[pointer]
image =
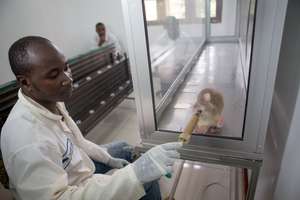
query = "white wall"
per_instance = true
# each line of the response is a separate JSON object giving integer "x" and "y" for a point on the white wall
{"x": 69, "y": 24}
{"x": 227, "y": 25}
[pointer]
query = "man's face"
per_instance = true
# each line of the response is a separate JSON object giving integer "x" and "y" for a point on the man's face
{"x": 50, "y": 76}
{"x": 101, "y": 32}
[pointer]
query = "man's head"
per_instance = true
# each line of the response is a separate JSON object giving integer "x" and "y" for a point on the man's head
{"x": 100, "y": 29}
{"x": 41, "y": 69}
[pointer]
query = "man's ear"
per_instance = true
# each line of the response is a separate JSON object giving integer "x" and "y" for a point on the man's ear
{"x": 24, "y": 82}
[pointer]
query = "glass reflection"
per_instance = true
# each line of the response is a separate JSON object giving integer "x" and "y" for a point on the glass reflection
{"x": 174, "y": 36}
{"x": 176, "y": 33}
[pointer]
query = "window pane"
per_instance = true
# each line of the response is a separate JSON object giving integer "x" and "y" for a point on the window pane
{"x": 179, "y": 73}
{"x": 176, "y": 8}
{"x": 213, "y": 8}
{"x": 173, "y": 44}
{"x": 151, "y": 10}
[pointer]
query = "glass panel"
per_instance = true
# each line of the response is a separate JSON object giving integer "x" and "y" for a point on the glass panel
{"x": 172, "y": 41}
{"x": 246, "y": 33}
{"x": 216, "y": 68}
{"x": 182, "y": 71}
{"x": 249, "y": 37}
{"x": 245, "y": 5}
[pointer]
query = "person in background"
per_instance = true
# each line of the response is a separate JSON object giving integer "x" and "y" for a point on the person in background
{"x": 170, "y": 38}
{"x": 105, "y": 37}
{"x": 44, "y": 152}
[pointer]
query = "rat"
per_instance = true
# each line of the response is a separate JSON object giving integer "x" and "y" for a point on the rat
{"x": 209, "y": 105}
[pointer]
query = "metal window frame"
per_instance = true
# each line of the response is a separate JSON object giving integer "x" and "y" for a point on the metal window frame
{"x": 268, "y": 32}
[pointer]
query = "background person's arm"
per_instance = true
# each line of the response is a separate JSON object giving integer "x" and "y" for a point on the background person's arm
{"x": 113, "y": 39}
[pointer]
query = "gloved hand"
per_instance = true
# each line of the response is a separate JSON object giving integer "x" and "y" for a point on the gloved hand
{"x": 117, "y": 163}
{"x": 156, "y": 162}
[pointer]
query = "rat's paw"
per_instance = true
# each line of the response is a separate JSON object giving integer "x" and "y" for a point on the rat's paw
{"x": 201, "y": 129}
{"x": 220, "y": 123}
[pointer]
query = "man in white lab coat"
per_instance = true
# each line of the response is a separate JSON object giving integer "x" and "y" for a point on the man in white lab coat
{"x": 44, "y": 152}
{"x": 103, "y": 37}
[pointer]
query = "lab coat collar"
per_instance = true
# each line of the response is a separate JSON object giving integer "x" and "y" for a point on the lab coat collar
{"x": 38, "y": 108}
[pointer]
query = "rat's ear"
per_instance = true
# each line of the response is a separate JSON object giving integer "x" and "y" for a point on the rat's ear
{"x": 24, "y": 82}
{"x": 207, "y": 97}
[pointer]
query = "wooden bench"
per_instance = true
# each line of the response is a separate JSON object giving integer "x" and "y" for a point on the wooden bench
{"x": 8, "y": 98}
{"x": 101, "y": 82}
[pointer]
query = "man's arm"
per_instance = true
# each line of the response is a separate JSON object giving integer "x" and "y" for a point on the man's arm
{"x": 42, "y": 177}
{"x": 113, "y": 39}
{"x": 94, "y": 151}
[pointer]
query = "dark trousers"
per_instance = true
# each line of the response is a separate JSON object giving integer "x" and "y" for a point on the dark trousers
{"x": 124, "y": 151}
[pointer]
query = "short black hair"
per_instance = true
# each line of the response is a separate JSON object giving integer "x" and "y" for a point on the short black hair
{"x": 100, "y": 24}
{"x": 18, "y": 53}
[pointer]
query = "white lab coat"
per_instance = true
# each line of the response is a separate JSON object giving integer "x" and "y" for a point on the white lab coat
{"x": 46, "y": 158}
{"x": 110, "y": 38}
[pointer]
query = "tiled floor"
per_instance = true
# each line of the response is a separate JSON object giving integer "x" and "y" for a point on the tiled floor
{"x": 120, "y": 124}
{"x": 205, "y": 181}
{"x": 197, "y": 180}
{"x": 217, "y": 68}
